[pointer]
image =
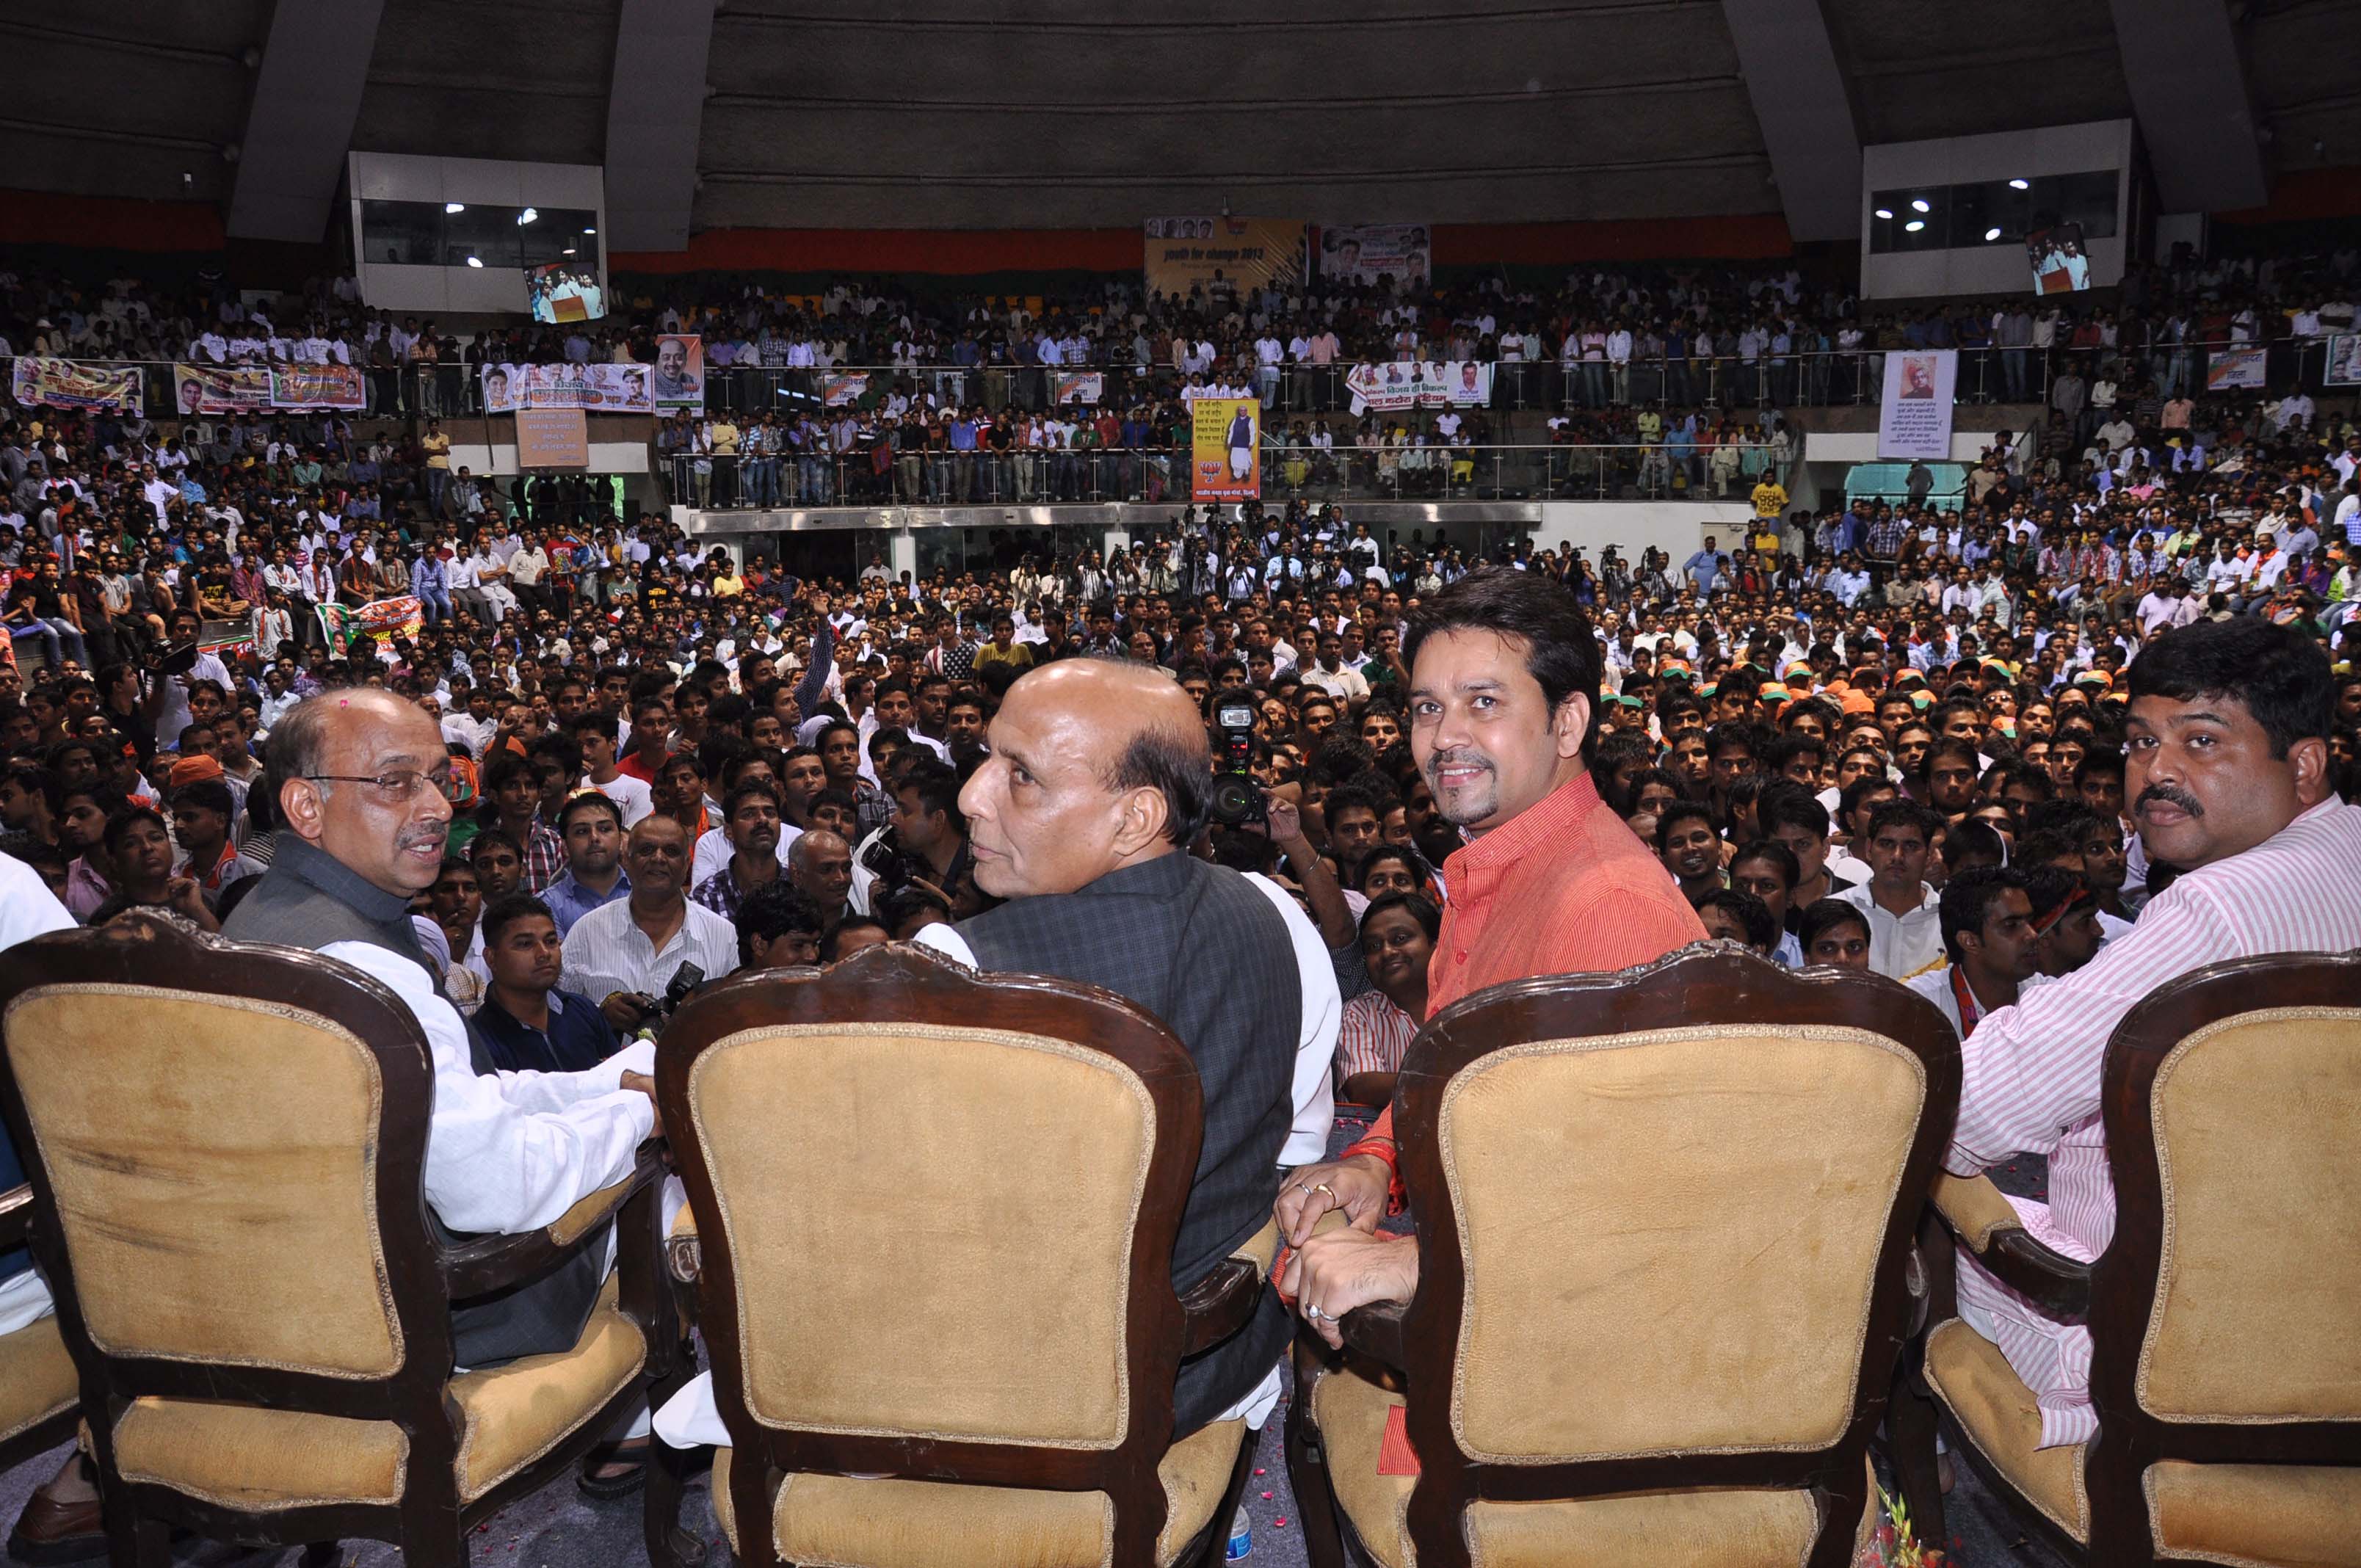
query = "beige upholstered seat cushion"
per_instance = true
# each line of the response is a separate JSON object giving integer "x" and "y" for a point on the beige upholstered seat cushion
{"x": 852, "y": 1523}
{"x": 182, "y": 1192}
{"x": 1706, "y": 1527}
{"x": 2269, "y": 1516}
{"x": 909, "y": 1302}
{"x": 2255, "y": 1317}
{"x": 1997, "y": 1411}
{"x": 518, "y": 1412}
{"x": 36, "y": 1377}
{"x": 1701, "y": 1208}
{"x": 246, "y": 1457}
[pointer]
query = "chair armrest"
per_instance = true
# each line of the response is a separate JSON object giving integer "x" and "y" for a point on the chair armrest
{"x": 1260, "y": 1249}
{"x": 16, "y": 1215}
{"x": 1985, "y": 1222}
{"x": 1973, "y": 1208}
{"x": 485, "y": 1264}
{"x": 1375, "y": 1331}
{"x": 1219, "y": 1305}
{"x": 682, "y": 1257}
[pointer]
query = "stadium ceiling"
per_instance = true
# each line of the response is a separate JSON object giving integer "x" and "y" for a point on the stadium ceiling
{"x": 1022, "y": 114}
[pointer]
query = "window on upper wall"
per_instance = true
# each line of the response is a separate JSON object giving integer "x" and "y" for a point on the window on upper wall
{"x": 431, "y": 233}
{"x": 2085, "y": 199}
{"x": 1978, "y": 213}
{"x": 1911, "y": 219}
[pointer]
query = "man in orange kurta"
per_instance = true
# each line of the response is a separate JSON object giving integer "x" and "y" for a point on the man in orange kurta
{"x": 1504, "y": 684}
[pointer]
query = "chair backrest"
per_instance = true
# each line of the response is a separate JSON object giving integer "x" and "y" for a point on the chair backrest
{"x": 225, "y": 1142}
{"x": 937, "y": 1211}
{"x": 2223, "y": 1313}
{"x": 1664, "y": 1216}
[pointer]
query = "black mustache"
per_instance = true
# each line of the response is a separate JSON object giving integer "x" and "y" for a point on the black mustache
{"x": 2170, "y": 797}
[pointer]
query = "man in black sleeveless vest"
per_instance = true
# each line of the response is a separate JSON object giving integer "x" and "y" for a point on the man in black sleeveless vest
{"x": 1082, "y": 817}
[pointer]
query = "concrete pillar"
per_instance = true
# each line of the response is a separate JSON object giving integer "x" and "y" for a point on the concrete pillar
{"x": 1805, "y": 108}
{"x": 902, "y": 553}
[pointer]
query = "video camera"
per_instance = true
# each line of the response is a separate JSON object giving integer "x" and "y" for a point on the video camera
{"x": 1237, "y": 798}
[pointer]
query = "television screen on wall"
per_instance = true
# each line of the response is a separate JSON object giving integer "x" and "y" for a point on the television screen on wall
{"x": 566, "y": 291}
{"x": 2061, "y": 264}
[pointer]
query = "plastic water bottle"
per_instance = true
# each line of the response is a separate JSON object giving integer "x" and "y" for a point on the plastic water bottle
{"x": 1241, "y": 1534}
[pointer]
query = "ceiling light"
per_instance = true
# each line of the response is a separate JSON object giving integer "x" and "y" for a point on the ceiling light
{"x": 455, "y": 206}
{"x": 2020, "y": 184}
{"x": 1992, "y": 234}
{"x": 474, "y": 261}
{"x": 1912, "y": 227}
{"x": 527, "y": 216}
{"x": 589, "y": 231}
{"x": 569, "y": 250}
{"x": 1886, "y": 212}
{"x": 1919, "y": 204}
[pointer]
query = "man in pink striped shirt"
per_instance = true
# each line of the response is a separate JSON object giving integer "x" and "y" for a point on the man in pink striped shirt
{"x": 2227, "y": 769}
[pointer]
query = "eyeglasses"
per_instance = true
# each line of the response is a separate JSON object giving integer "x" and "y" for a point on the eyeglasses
{"x": 396, "y": 787}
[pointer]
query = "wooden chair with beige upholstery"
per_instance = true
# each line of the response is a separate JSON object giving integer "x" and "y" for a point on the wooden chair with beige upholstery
{"x": 2226, "y": 1312}
{"x": 40, "y": 1397}
{"x": 1663, "y": 1220}
{"x": 226, "y": 1143}
{"x": 935, "y": 1218}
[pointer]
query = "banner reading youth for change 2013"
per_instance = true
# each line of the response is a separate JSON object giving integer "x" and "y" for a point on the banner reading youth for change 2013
{"x": 1248, "y": 253}
{"x": 597, "y": 388}
{"x": 1914, "y": 419}
{"x": 77, "y": 384}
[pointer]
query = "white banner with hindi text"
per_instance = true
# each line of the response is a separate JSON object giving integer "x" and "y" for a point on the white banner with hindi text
{"x": 1420, "y": 384}
{"x": 1914, "y": 419}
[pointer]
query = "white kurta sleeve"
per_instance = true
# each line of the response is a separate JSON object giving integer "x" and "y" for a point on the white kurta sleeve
{"x": 512, "y": 1151}
{"x": 1315, "y": 1049}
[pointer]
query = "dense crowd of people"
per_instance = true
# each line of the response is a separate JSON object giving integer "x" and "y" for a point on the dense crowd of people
{"x": 1598, "y": 338}
{"x": 1905, "y": 738}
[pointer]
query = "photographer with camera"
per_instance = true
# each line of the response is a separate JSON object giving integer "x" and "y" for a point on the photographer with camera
{"x": 1240, "y": 801}
{"x": 625, "y": 955}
